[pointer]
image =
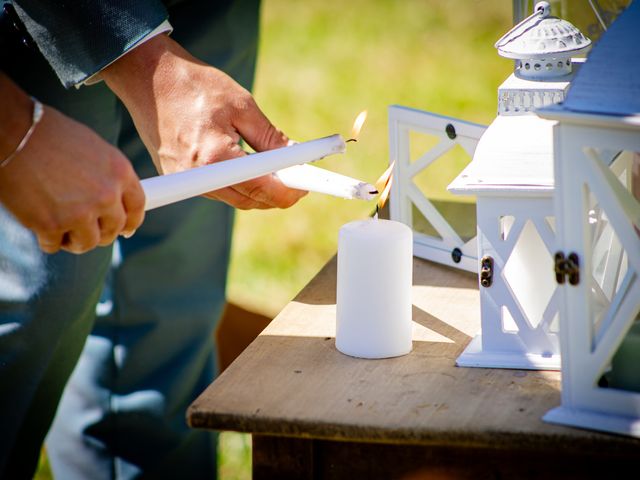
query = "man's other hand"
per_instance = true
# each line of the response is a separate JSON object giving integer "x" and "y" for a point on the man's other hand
{"x": 68, "y": 185}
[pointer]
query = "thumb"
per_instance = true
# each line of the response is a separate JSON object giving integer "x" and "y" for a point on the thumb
{"x": 256, "y": 129}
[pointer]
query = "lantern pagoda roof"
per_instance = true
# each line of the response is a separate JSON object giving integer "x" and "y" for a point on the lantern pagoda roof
{"x": 543, "y": 36}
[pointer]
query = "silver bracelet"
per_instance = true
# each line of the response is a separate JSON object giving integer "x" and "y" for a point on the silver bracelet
{"x": 35, "y": 118}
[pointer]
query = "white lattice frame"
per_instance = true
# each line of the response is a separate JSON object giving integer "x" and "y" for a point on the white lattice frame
{"x": 585, "y": 358}
{"x": 531, "y": 347}
{"x": 402, "y": 121}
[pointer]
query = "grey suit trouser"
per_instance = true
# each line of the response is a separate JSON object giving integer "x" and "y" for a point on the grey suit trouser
{"x": 149, "y": 349}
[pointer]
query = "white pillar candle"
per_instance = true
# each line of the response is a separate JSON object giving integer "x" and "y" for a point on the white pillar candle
{"x": 375, "y": 261}
{"x": 170, "y": 188}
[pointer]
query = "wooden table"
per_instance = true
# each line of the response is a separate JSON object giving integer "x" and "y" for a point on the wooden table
{"x": 316, "y": 413}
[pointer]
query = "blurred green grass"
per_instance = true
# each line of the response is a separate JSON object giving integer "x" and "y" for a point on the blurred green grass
{"x": 320, "y": 63}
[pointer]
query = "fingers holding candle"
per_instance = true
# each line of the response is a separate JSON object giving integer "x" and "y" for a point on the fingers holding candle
{"x": 260, "y": 193}
{"x": 263, "y": 192}
{"x": 255, "y": 128}
{"x": 267, "y": 191}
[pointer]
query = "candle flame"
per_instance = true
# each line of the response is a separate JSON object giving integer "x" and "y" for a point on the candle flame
{"x": 383, "y": 184}
{"x": 357, "y": 126}
{"x": 385, "y": 194}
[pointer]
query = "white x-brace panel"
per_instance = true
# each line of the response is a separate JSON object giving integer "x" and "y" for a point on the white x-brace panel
{"x": 402, "y": 121}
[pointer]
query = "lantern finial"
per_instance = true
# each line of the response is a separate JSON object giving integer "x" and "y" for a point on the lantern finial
{"x": 542, "y": 45}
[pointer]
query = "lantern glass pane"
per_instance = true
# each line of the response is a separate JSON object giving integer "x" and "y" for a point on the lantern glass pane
{"x": 613, "y": 278}
{"x": 551, "y": 221}
{"x": 609, "y": 267}
{"x": 624, "y": 372}
{"x": 506, "y": 222}
{"x": 530, "y": 261}
{"x": 509, "y": 325}
{"x": 458, "y": 211}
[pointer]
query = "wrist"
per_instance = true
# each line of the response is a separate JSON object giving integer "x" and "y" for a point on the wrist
{"x": 15, "y": 116}
{"x": 144, "y": 70}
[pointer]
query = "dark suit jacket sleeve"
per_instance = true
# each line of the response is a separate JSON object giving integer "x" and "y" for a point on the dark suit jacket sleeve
{"x": 80, "y": 37}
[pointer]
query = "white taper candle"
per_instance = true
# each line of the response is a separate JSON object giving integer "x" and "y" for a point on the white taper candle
{"x": 171, "y": 188}
{"x": 314, "y": 179}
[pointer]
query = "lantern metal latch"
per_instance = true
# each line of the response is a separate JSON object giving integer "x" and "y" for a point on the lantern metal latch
{"x": 486, "y": 271}
{"x": 567, "y": 267}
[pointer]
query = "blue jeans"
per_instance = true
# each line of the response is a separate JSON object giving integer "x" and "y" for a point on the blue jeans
{"x": 149, "y": 351}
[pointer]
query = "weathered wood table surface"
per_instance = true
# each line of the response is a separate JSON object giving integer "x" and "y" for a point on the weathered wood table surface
{"x": 316, "y": 413}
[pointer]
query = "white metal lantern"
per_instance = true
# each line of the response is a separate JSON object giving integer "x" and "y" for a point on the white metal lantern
{"x": 597, "y": 171}
{"x": 512, "y": 175}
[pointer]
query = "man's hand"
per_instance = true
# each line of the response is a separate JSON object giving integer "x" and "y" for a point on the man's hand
{"x": 190, "y": 114}
{"x": 68, "y": 185}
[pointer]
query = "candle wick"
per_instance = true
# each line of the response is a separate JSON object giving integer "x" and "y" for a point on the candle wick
{"x": 351, "y": 140}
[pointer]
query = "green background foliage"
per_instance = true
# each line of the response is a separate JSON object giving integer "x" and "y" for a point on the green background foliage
{"x": 320, "y": 63}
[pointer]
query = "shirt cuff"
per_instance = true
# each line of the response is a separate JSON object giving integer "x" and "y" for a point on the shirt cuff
{"x": 164, "y": 27}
